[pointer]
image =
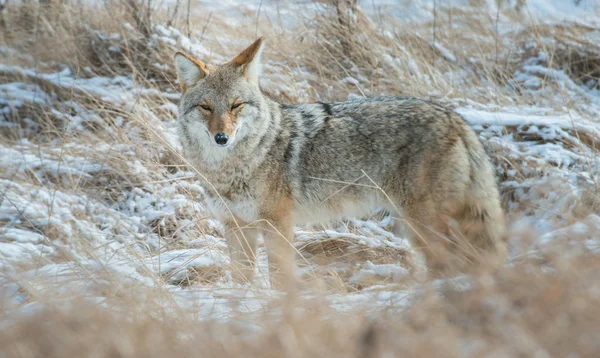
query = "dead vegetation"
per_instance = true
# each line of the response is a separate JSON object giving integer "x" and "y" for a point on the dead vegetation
{"x": 525, "y": 310}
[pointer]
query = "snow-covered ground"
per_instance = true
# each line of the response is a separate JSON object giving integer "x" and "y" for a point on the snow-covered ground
{"x": 103, "y": 206}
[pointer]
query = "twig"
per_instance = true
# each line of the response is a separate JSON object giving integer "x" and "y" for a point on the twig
{"x": 257, "y": 16}
{"x": 2, "y": 7}
{"x": 205, "y": 26}
{"x": 434, "y": 20}
{"x": 172, "y": 20}
{"x": 189, "y": 4}
{"x": 497, "y": 20}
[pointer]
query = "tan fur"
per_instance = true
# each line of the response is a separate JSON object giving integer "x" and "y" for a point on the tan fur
{"x": 248, "y": 54}
{"x": 278, "y": 231}
{"x": 224, "y": 123}
{"x": 314, "y": 163}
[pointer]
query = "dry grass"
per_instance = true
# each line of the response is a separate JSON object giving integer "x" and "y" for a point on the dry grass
{"x": 526, "y": 310}
{"x": 544, "y": 303}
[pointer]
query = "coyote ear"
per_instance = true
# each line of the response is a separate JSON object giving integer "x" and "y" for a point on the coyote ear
{"x": 249, "y": 60}
{"x": 189, "y": 70}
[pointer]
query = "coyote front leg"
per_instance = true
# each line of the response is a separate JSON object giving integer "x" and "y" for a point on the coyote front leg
{"x": 278, "y": 233}
{"x": 241, "y": 241}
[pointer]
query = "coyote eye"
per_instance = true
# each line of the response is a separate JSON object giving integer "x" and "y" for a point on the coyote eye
{"x": 205, "y": 107}
{"x": 236, "y": 105}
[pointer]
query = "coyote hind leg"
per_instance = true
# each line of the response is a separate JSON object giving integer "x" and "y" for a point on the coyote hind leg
{"x": 480, "y": 231}
{"x": 459, "y": 237}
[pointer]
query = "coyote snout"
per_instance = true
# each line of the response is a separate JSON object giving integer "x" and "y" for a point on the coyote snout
{"x": 222, "y": 127}
{"x": 309, "y": 164}
{"x": 222, "y": 131}
{"x": 221, "y": 138}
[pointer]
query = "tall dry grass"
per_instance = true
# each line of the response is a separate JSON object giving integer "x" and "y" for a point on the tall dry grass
{"x": 547, "y": 306}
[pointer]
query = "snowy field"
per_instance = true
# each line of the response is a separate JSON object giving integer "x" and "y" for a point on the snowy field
{"x": 97, "y": 206}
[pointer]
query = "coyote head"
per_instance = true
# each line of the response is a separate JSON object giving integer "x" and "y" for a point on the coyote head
{"x": 220, "y": 103}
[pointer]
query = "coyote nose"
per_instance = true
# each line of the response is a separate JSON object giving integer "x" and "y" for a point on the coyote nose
{"x": 221, "y": 138}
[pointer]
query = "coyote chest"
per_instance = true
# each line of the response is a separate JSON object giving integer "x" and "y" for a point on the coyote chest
{"x": 222, "y": 207}
{"x": 234, "y": 197}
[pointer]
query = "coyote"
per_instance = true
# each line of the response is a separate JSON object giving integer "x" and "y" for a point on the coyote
{"x": 269, "y": 166}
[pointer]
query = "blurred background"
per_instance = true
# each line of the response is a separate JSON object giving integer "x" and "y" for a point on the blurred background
{"x": 107, "y": 249}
